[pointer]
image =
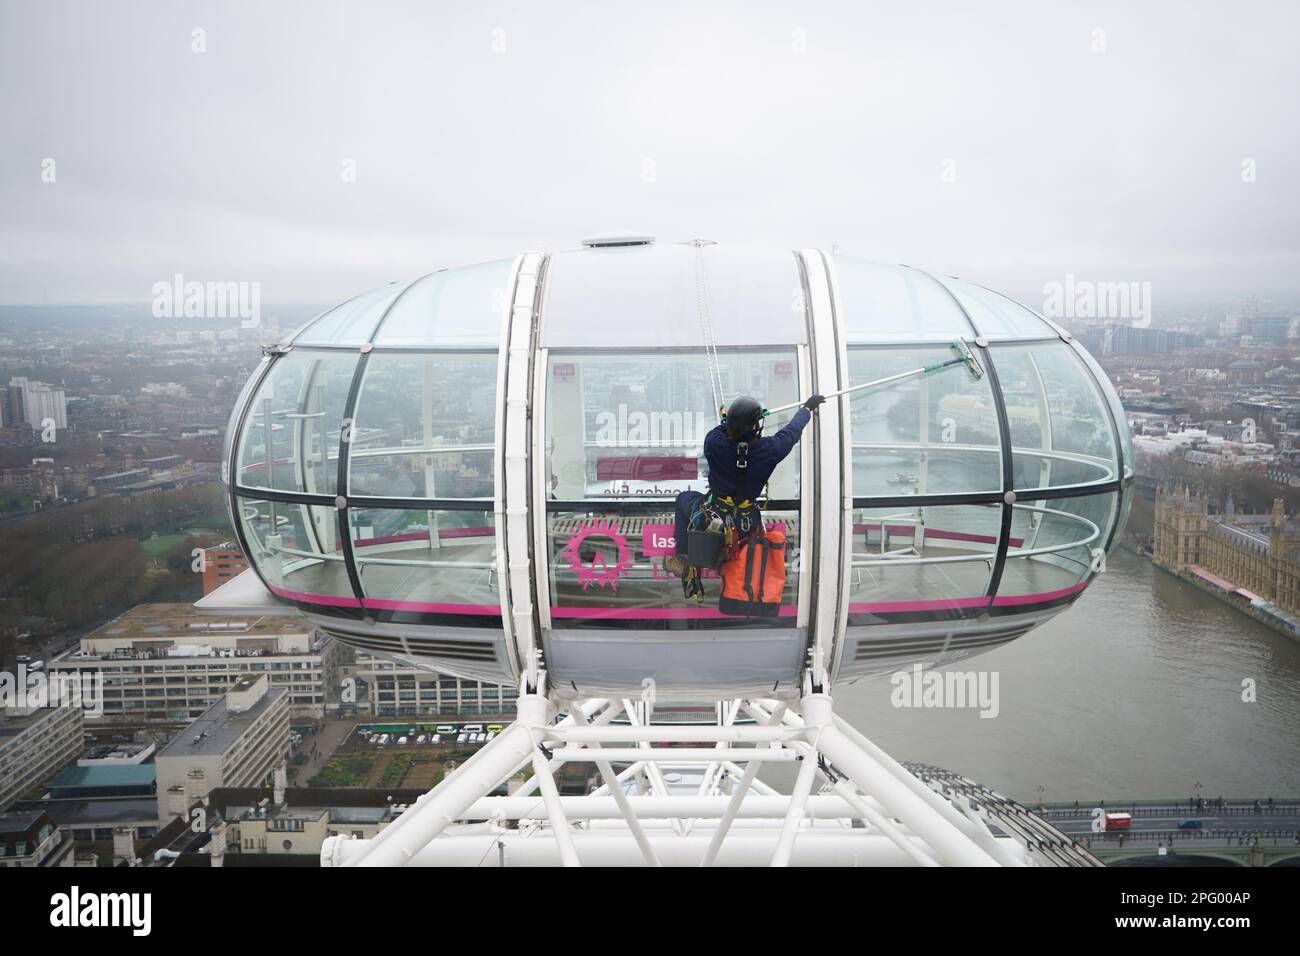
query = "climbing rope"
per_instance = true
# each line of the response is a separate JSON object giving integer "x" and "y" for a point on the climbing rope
{"x": 705, "y": 309}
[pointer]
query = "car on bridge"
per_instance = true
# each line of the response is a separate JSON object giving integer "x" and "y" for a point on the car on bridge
{"x": 1189, "y": 823}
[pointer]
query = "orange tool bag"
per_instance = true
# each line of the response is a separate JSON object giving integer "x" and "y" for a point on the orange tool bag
{"x": 753, "y": 580}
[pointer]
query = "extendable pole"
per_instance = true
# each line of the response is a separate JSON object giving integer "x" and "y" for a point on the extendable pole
{"x": 964, "y": 356}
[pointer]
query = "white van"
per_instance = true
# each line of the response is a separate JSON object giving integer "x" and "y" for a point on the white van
{"x": 461, "y": 739}
{"x": 383, "y": 740}
{"x": 446, "y": 728}
{"x": 436, "y": 739}
{"x": 401, "y": 741}
{"x": 473, "y": 728}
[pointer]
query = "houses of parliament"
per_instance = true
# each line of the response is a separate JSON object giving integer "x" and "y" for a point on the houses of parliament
{"x": 1256, "y": 555}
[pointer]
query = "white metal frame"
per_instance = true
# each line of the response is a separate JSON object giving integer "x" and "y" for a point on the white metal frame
{"x": 867, "y": 809}
{"x": 511, "y": 492}
{"x": 831, "y": 510}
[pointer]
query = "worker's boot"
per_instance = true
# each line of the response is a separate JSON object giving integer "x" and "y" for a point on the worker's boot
{"x": 675, "y": 564}
{"x": 692, "y": 586}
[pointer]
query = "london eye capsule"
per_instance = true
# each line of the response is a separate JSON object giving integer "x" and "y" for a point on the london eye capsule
{"x": 474, "y": 471}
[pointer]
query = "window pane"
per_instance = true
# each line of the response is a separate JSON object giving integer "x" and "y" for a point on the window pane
{"x": 1112, "y": 400}
{"x": 232, "y": 423}
{"x": 606, "y": 567}
{"x": 353, "y": 322}
{"x": 424, "y": 427}
{"x": 1060, "y": 425}
{"x": 455, "y": 308}
{"x": 291, "y": 431}
{"x": 996, "y": 316}
{"x": 297, "y": 550}
{"x": 884, "y": 303}
{"x": 925, "y": 559}
{"x": 634, "y": 423}
{"x": 650, "y": 297}
{"x": 1071, "y": 528}
{"x": 427, "y": 562}
{"x": 928, "y": 434}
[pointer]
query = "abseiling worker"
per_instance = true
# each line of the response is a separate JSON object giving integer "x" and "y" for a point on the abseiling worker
{"x": 740, "y": 461}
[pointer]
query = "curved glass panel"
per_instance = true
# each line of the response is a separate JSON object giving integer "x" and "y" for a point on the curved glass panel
{"x": 996, "y": 316}
{"x": 296, "y": 549}
{"x": 1125, "y": 505}
{"x": 633, "y": 423}
{"x": 1052, "y": 547}
{"x": 424, "y": 426}
{"x": 455, "y": 308}
{"x": 607, "y": 570}
{"x": 1060, "y": 426}
{"x": 1113, "y": 400}
{"x": 232, "y": 425}
{"x": 651, "y": 296}
{"x": 630, "y": 426}
{"x": 881, "y": 303}
{"x": 926, "y": 434}
{"x": 929, "y": 560}
{"x": 291, "y": 430}
{"x": 427, "y": 562}
{"x": 353, "y": 322}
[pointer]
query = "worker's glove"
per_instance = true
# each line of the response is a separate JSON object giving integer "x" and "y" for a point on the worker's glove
{"x": 813, "y": 402}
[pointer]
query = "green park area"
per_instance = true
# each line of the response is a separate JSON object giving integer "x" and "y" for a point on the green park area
{"x": 161, "y": 545}
{"x": 345, "y": 770}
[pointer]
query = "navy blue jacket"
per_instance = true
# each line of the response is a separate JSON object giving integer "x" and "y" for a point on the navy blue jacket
{"x": 764, "y": 455}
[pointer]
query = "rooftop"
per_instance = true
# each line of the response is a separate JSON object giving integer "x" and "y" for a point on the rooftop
{"x": 180, "y": 621}
{"x": 103, "y": 812}
{"x": 113, "y": 775}
{"x": 19, "y": 822}
{"x": 14, "y": 721}
{"x": 217, "y": 729}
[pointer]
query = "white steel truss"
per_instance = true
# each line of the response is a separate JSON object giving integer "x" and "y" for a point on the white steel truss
{"x": 849, "y": 804}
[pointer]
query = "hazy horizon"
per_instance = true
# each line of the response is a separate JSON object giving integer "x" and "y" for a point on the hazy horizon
{"x": 1012, "y": 144}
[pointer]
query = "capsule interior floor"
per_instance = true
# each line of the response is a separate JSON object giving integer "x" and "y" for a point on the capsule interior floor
{"x": 646, "y": 585}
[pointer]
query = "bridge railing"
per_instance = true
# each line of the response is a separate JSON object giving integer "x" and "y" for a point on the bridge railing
{"x": 1058, "y": 811}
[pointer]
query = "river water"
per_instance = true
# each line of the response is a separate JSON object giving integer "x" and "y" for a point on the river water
{"x": 1135, "y": 692}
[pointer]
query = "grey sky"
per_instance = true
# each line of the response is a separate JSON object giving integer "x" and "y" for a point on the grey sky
{"x": 681, "y": 119}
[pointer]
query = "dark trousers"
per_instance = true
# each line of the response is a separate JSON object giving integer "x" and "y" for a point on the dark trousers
{"x": 688, "y": 502}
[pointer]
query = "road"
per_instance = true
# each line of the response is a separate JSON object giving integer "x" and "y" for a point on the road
{"x": 1230, "y": 825}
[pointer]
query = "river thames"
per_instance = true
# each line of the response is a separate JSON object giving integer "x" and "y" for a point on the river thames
{"x": 1136, "y": 692}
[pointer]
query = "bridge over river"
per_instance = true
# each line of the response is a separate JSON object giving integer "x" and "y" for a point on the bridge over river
{"x": 1240, "y": 832}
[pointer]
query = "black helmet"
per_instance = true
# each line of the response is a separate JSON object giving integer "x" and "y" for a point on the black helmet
{"x": 744, "y": 418}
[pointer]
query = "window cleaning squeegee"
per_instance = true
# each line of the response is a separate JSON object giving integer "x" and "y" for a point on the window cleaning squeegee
{"x": 964, "y": 356}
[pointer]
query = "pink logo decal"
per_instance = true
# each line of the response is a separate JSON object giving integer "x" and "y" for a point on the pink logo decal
{"x": 657, "y": 540}
{"x": 598, "y": 571}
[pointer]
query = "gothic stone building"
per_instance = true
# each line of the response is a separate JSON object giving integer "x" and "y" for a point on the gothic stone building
{"x": 1257, "y": 553}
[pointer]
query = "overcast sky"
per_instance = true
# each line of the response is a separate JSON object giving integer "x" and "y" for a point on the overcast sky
{"x": 990, "y": 140}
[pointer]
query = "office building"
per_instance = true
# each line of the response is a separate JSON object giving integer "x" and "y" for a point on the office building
{"x": 237, "y": 742}
{"x": 171, "y": 662}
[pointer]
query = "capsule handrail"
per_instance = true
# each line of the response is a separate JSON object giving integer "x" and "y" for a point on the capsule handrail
{"x": 867, "y": 560}
{"x": 416, "y": 450}
{"x": 1053, "y": 454}
{"x": 412, "y": 563}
